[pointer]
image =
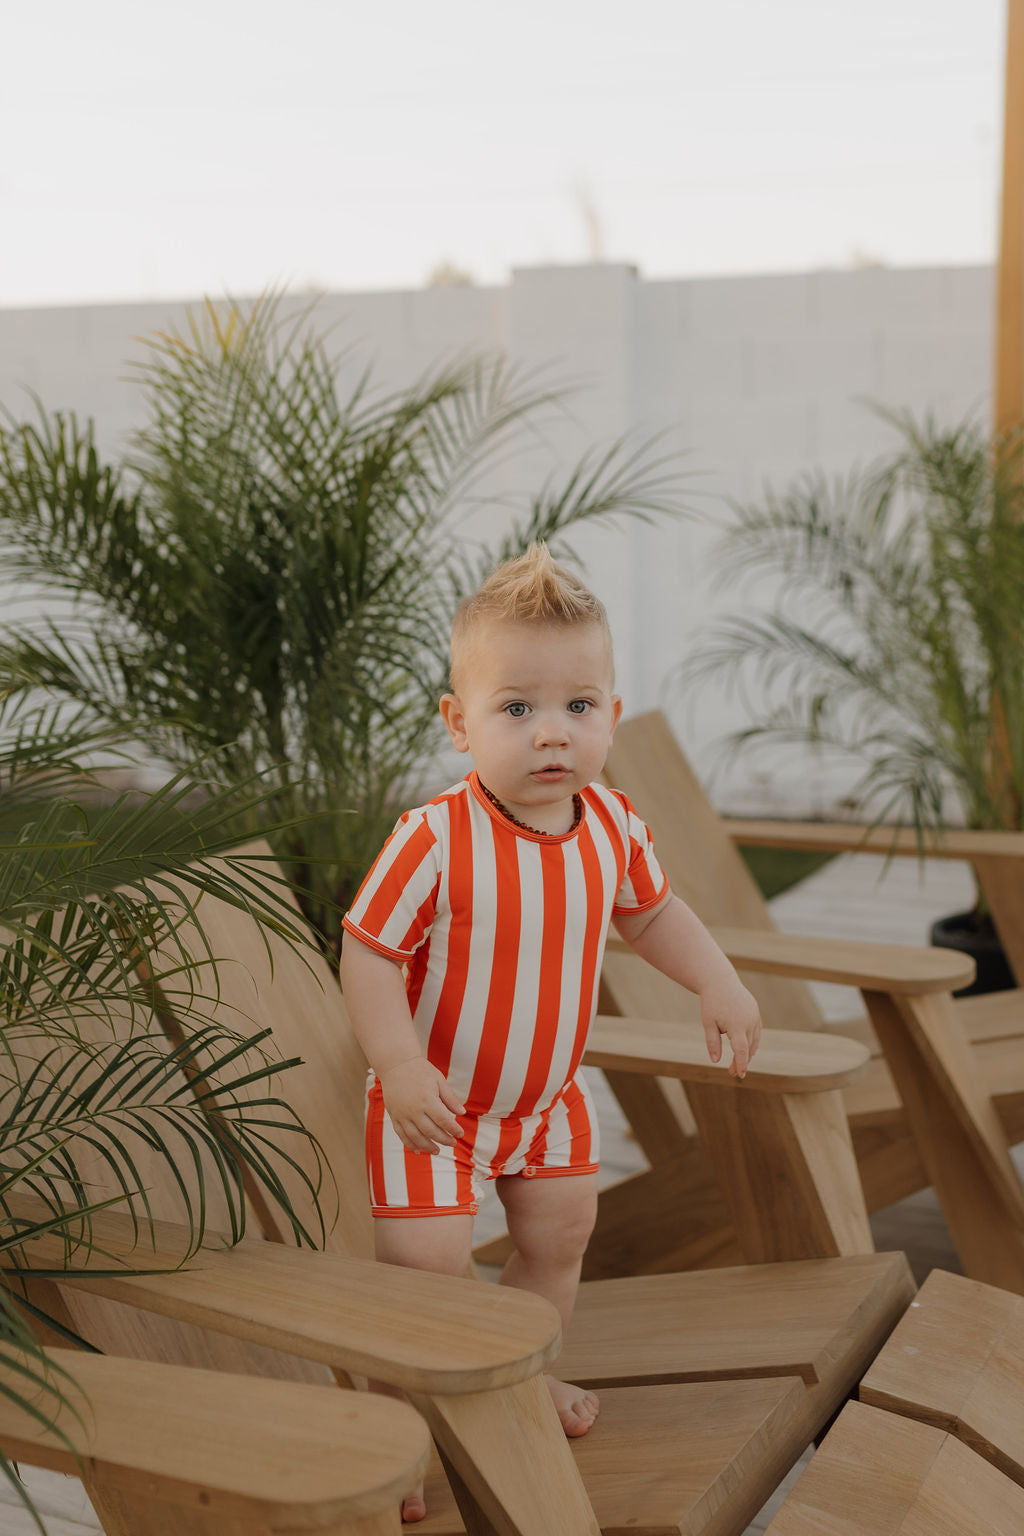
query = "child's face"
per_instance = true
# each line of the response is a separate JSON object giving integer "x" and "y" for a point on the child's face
{"x": 535, "y": 708}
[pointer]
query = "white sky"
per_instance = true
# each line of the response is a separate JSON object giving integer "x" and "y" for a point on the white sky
{"x": 162, "y": 150}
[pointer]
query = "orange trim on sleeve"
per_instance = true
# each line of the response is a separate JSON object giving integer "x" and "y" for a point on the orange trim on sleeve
{"x": 644, "y": 906}
{"x": 372, "y": 943}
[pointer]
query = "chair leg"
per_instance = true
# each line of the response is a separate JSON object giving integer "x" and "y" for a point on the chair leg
{"x": 788, "y": 1166}
{"x": 958, "y": 1133}
{"x": 487, "y": 1439}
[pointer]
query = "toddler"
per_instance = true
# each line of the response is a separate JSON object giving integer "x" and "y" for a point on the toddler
{"x": 473, "y": 951}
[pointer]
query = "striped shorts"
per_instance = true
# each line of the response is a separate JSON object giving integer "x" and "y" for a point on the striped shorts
{"x": 559, "y": 1140}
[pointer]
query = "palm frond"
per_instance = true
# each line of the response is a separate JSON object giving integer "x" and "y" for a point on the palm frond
{"x": 909, "y": 578}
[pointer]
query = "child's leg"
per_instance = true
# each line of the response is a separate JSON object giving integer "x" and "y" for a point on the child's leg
{"x": 442, "y": 1244}
{"x": 550, "y": 1221}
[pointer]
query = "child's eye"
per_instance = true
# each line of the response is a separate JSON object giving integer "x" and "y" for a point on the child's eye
{"x": 580, "y": 706}
{"x": 517, "y": 709}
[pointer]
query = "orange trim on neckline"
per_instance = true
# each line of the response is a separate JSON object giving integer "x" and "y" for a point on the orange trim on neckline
{"x": 504, "y": 820}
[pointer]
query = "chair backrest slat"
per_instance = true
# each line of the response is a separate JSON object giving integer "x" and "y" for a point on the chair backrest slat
{"x": 264, "y": 982}
{"x": 701, "y": 861}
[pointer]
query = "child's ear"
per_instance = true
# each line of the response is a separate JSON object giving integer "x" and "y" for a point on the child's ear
{"x": 616, "y": 712}
{"x": 455, "y": 721}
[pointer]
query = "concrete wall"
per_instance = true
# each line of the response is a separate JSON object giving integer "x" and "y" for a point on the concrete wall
{"x": 753, "y": 379}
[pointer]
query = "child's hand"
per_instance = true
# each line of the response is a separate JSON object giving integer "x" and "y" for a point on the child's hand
{"x": 422, "y": 1106}
{"x": 729, "y": 1009}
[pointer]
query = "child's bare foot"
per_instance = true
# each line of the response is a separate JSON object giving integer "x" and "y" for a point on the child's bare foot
{"x": 413, "y": 1506}
{"x": 576, "y": 1407}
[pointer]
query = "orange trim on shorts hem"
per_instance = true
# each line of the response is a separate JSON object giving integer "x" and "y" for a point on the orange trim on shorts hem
{"x": 556, "y": 1173}
{"x": 427, "y": 1210}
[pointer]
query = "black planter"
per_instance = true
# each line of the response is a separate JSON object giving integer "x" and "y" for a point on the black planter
{"x": 976, "y": 936}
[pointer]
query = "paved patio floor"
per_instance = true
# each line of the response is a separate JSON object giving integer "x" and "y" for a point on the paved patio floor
{"x": 850, "y": 898}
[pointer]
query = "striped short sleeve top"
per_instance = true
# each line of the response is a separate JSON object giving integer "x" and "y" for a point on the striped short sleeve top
{"x": 502, "y": 931}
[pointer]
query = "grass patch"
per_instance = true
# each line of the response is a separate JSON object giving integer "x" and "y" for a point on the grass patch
{"x": 779, "y": 869}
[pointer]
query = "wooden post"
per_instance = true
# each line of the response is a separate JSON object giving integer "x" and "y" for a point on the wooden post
{"x": 1008, "y": 410}
{"x": 1008, "y": 402}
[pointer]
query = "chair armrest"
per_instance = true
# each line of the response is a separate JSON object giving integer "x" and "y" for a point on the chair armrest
{"x": 261, "y": 1453}
{"x": 787, "y": 1060}
{"x": 850, "y": 837}
{"x": 422, "y": 1332}
{"x": 900, "y": 969}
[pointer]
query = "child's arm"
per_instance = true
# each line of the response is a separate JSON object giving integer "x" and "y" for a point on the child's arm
{"x": 674, "y": 940}
{"x": 417, "y": 1096}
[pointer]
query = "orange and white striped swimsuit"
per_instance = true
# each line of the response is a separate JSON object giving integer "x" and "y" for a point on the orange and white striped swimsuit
{"x": 501, "y": 931}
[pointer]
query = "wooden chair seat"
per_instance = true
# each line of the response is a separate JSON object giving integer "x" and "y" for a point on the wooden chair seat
{"x": 876, "y": 1475}
{"x": 221, "y": 1455}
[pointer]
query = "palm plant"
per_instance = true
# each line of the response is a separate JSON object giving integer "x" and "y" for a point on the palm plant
{"x": 88, "y": 884}
{"x": 272, "y": 569}
{"x": 896, "y": 639}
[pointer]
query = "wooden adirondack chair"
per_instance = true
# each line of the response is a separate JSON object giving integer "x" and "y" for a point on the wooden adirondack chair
{"x": 712, "y": 1383}
{"x": 167, "y": 1448}
{"x": 958, "y": 1065}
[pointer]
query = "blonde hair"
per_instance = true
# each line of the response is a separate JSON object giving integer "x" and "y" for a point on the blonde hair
{"x": 530, "y": 589}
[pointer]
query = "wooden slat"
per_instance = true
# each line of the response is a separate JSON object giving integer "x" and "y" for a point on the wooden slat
{"x": 877, "y": 1475}
{"x": 956, "y": 1361}
{"x": 754, "y": 1320}
{"x": 298, "y": 1458}
{"x": 851, "y": 837}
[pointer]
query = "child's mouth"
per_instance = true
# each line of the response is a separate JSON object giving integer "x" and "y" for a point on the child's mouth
{"x": 550, "y": 774}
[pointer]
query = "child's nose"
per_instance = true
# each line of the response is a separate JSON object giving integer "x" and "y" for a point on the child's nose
{"x": 552, "y": 730}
